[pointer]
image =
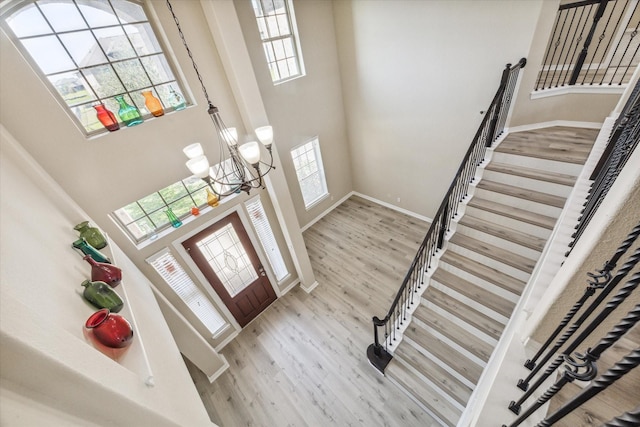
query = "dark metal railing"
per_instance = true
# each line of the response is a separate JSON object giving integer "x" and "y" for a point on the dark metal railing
{"x": 491, "y": 127}
{"x": 593, "y": 42}
{"x": 622, "y": 142}
{"x": 582, "y": 366}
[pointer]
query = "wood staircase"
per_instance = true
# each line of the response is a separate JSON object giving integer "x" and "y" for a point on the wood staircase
{"x": 487, "y": 260}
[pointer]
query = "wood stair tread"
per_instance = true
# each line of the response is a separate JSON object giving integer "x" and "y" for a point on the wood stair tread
{"x": 527, "y": 240}
{"x": 469, "y": 315}
{"x": 514, "y": 213}
{"x": 434, "y": 372}
{"x": 537, "y": 174}
{"x": 522, "y": 193}
{"x": 464, "y": 338}
{"x": 481, "y": 271}
{"x": 429, "y": 397}
{"x": 494, "y": 252}
{"x": 444, "y": 352}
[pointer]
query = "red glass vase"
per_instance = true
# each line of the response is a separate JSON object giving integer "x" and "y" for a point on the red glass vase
{"x": 110, "y": 329}
{"x": 107, "y": 118}
{"x": 103, "y": 272}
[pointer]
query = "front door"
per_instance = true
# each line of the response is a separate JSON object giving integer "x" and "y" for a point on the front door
{"x": 226, "y": 257}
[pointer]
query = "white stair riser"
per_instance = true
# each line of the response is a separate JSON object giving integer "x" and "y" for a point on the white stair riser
{"x": 510, "y": 296}
{"x": 535, "y": 163}
{"x": 458, "y": 321}
{"x": 490, "y": 262}
{"x": 498, "y": 241}
{"x": 473, "y": 303}
{"x": 460, "y": 349}
{"x": 525, "y": 227}
{"x": 528, "y": 183}
{"x": 519, "y": 203}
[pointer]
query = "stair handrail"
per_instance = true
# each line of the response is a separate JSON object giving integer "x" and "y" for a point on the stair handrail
{"x": 491, "y": 127}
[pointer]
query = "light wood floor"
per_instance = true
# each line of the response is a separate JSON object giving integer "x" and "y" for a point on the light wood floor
{"x": 302, "y": 362}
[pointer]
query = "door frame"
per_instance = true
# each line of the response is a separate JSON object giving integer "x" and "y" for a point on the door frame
{"x": 202, "y": 280}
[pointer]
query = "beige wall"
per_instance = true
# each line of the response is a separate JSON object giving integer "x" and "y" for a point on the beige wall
{"x": 45, "y": 360}
{"x": 415, "y": 76}
{"x": 308, "y": 106}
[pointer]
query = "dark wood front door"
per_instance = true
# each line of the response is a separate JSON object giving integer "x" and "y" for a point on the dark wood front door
{"x": 226, "y": 257}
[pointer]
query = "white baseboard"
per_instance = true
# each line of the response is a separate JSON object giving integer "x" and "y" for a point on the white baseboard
{"x": 288, "y": 288}
{"x": 541, "y": 125}
{"x": 395, "y": 208}
{"x": 220, "y": 371}
{"x": 310, "y": 288}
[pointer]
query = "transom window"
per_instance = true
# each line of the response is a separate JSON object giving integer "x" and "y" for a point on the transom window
{"x": 310, "y": 172}
{"x": 90, "y": 51}
{"x": 278, "y": 32}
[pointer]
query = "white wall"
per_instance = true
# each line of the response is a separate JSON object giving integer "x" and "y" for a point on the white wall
{"x": 415, "y": 76}
{"x": 45, "y": 360}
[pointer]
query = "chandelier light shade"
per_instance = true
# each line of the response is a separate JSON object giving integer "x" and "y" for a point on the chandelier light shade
{"x": 240, "y": 167}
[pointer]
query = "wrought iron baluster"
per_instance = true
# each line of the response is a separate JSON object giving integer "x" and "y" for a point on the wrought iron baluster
{"x": 629, "y": 362}
{"x": 628, "y": 419}
{"x": 586, "y": 361}
{"x": 583, "y": 54}
{"x": 622, "y": 294}
{"x": 598, "y": 281}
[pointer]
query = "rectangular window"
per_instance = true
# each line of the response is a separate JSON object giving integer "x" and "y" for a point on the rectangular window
{"x": 88, "y": 52}
{"x": 276, "y": 23}
{"x": 266, "y": 237}
{"x": 172, "y": 272}
{"x": 308, "y": 164}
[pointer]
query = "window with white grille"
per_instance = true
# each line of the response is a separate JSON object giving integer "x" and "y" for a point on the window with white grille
{"x": 266, "y": 237}
{"x": 172, "y": 272}
{"x": 310, "y": 172}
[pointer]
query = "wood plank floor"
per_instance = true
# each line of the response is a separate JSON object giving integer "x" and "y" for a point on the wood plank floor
{"x": 302, "y": 362}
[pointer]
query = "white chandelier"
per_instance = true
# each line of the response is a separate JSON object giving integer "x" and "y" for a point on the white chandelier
{"x": 239, "y": 166}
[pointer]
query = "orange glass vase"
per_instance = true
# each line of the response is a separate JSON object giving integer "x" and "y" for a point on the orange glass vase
{"x": 152, "y": 103}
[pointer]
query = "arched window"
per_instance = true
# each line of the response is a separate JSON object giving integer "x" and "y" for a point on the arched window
{"x": 90, "y": 51}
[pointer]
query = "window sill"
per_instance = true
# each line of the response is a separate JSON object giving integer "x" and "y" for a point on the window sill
{"x": 317, "y": 201}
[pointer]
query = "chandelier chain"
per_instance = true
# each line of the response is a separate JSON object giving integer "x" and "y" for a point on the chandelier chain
{"x": 186, "y": 46}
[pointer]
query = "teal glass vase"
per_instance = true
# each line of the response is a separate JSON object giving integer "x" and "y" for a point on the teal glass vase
{"x": 129, "y": 114}
{"x": 175, "y": 222}
{"x": 87, "y": 249}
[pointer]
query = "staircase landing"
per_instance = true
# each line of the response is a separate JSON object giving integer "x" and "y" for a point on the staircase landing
{"x": 485, "y": 266}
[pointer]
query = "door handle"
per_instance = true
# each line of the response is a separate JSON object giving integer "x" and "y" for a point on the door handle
{"x": 261, "y": 271}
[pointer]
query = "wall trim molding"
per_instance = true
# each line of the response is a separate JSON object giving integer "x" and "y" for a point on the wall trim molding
{"x": 220, "y": 371}
{"x": 542, "y": 125}
{"x": 394, "y": 207}
{"x": 310, "y": 288}
{"x": 326, "y": 211}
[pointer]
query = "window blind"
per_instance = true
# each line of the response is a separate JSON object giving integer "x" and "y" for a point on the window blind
{"x": 266, "y": 237}
{"x": 172, "y": 272}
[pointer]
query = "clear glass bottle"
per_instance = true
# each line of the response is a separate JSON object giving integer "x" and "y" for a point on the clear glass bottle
{"x": 177, "y": 100}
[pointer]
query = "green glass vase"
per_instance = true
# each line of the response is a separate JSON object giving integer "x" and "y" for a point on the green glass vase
{"x": 100, "y": 295}
{"x": 129, "y": 114}
{"x": 175, "y": 222}
{"x": 92, "y": 235}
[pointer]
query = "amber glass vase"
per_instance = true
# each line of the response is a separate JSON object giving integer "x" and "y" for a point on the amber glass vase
{"x": 152, "y": 103}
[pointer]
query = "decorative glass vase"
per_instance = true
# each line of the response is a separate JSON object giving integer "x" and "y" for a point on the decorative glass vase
{"x": 177, "y": 101}
{"x": 87, "y": 249}
{"x": 110, "y": 329}
{"x": 129, "y": 114}
{"x": 107, "y": 118}
{"x": 103, "y": 272}
{"x": 175, "y": 222}
{"x": 92, "y": 235}
{"x": 152, "y": 103}
{"x": 100, "y": 295}
{"x": 195, "y": 211}
{"x": 212, "y": 199}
